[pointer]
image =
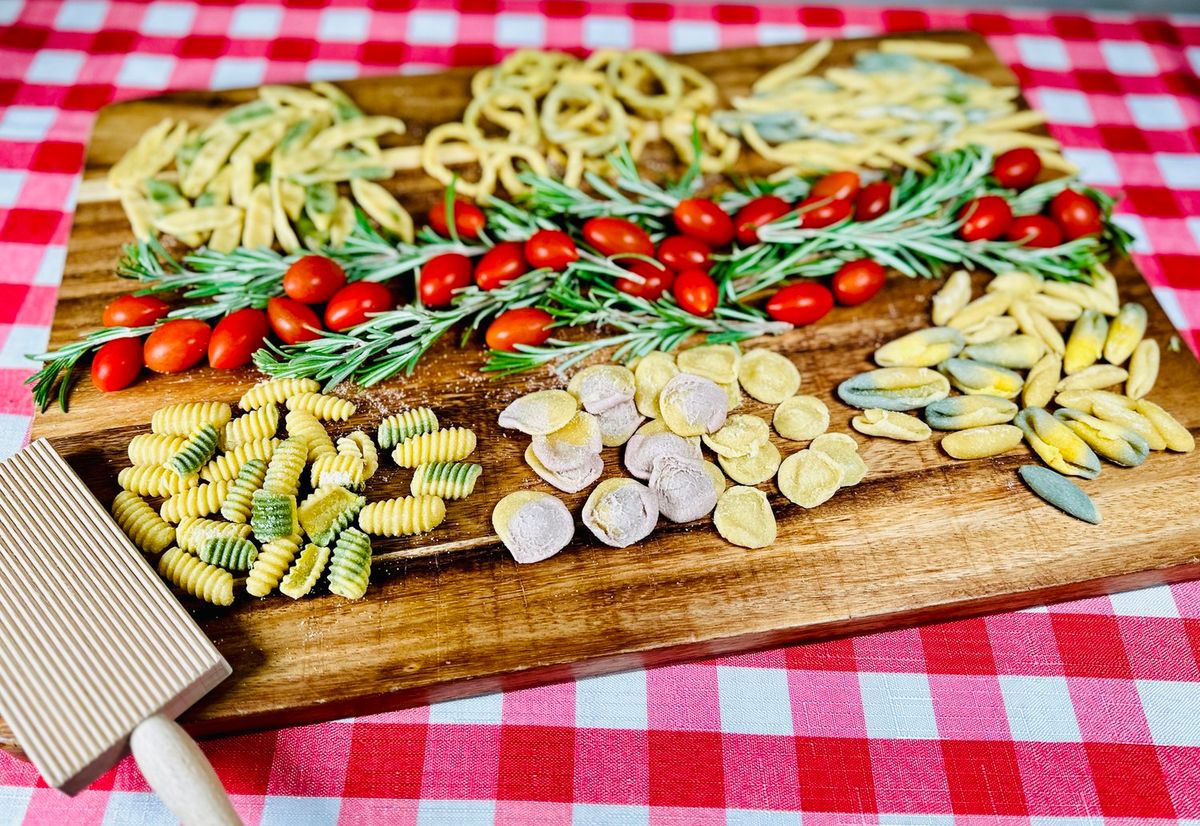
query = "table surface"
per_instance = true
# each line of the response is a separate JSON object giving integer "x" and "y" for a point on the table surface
{"x": 1083, "y": 712}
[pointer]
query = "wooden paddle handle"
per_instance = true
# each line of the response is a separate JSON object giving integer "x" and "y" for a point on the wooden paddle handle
{"x": 180, "y": 774}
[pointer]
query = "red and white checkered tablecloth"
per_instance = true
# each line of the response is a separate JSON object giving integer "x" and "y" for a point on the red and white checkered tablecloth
{"x": 1083, "y": 713}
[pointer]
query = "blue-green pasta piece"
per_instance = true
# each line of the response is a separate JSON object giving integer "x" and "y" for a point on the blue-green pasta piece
{"x": 894, "y": 388}
{"x": 195, "y": 452}
{"x": 1061, "y": 492}
{"x": 449, "y": 480}
{"x": 404, "y": 425}
{"x": 350, "y": 565}
{"x": 962, "y": 412}
{"x": 229, "y": 552}
{"x": 273, "y": 515}
{"x": 977, "y": 378}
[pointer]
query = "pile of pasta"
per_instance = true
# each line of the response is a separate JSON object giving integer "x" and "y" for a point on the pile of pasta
{"x": 277, "y": 526}
{"x": 548, "y": 109}
{"x": 893, "y": 106}
{"x": 265, "y": 172}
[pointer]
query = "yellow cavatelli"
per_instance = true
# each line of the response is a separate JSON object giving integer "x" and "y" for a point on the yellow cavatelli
{"x": 1106, "y": 283}
{"x": 1125, "y": 333}
{"x": 449, "y": 445}
{"x": 1087, "y": 297}
{"x": 201, "y": 580}
{"x": 963, "y": 412}
{"x": 404, "y": 516}
{"x": 195, "y": 451}
{"x": 991, "y": 329}
{"x": 1018, "y": 352}
{"x": 1086, "y": 400}
{"x": 1095, "y": 377}
{"x": 1177, "y": 437}
{"x": 193, "y": 531}
{"x": 274, "y": 558}
{"x": 982, "y": 442}
{"x": 1143, "y": 369}
{"x": 305, "y": 571}
{"x": 981, "y": 309}
{"x": 350, "y": 564}
{"x": 1055, "y": 309}
{"x": 890, "y": 424}
{"x": 153, "y": 448}
{"x": 227, "y": 466}
{"x": 304, "y": 426}
{"x": 237, "y": 503}
{"x": 1033, "y": 323}
{"x": 448, "y": 480}
{"x": 1086, "y": 342}
{"x": 1117, "y": 444}
{"x": 198, "y": 501}
{"x": 141, "y": 524}
{"x": 976, "y": 378}
{"x": 155, "y": 480}
{"x": 252, "y": 427}
{"x": 952, "y": 297}
{"x": 1020, "y": 283}
{"x": 286, "y": 467}
{"x": 1123, "y": 412}
{"x": 276, "y": 391}
{"x": 327, "y": 408}
{"x": 1042, "y": 380}
{"x": 340, "y": 470}
{"x": 402, "y": 426}
{"x": 923, "y": 348}
{"x": 365, "y": 449}
{"x": 1057, "y": 444}
{"x": 184, "y": 419}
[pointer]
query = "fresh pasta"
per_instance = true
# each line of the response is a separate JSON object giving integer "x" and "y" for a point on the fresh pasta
{"x": 276, "y": 391}
{"x": 154, "y": 448}
{"x": 404, "y": 516}
{"x": 228, "y": 552}
{"x": 272, "y": 515}
{"x": 360, "y": 444}
{"x": 405, "y": 425}
{"x": 155, "y": 480}
{"x": 350, "y": 564}
{"x": 201, "y": 580}
{"x": 227, "y": 466}
{"x": 193, "y": 531}
{"x": 141, "y": 524}
{"x": 274, "y": 558}
{"x": 327, "y": 512}
{"x": 286, "y": 467}
{"x": 324, "y": 407}
{"x": 195, "y": 451}
{"x": 184, "y": 419}
{"x": 341, "y": 469}
{"x": 237, "y": 503}
{"x": 448, "y": 445}
{"x": 302, "y": 577}
{"x": 303, "y": 425}
{"x": 448, "y": 480}
{"x": 201, "y": 500}
{"x": 254, "y": 426}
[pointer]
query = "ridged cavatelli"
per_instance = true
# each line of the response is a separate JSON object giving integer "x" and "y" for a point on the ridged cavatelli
{"x": 193, "y": 531}
{"x": 366, "y": 449}
{"x": 404, "y": 425}
{"x": 350, "y": 564}
{"x": 194, "y": 452}
{"x": 449, "y": 480}
{"x": 328, "y": 408}
{"x": 198, "y": 501}
{"x": 229, "y": 464}
{"x": 155, "y": 480}
{"x": 405, "y": 516}
{"x": 286, "y": 467}
{"x": 341, "y": 469}
{"x": 184, "y": 419}
{"x": 272, "y": 515}
{"x": 251, "y": 427}
{"x": 201, "y": 580}
{"x": 236, "y": 507}
{"x": 276, "y": 391}
{"x": 230, "y": 553}
{"x": 154, "y": 448}
{"x": 141, "y": 524}
{"x": 304, "y": 426}
{"x": 273, "y": 560}
{"x": 447, "y": 445}
{"x": 327, "y": 512}
{"x": 305, "y": 571}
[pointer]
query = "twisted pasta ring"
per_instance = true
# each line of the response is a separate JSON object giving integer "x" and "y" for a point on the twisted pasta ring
{"x": 456, "y": 133}
{"x": 497, "y": 104}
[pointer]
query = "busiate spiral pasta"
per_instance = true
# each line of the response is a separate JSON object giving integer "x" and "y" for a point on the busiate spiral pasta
{"x": 141, "y": 524}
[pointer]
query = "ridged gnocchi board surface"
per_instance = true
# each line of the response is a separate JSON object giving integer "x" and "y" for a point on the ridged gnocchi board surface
{"x": 922, "y": 538}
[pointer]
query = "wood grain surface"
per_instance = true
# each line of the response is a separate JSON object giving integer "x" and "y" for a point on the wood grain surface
{"x": 922, "y": 538}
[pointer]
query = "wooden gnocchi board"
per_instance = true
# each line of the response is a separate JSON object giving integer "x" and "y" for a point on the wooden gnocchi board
{"x": 922, "y": 538}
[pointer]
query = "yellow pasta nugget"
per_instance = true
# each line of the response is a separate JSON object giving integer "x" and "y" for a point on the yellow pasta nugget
{"x": 448, "y": 445}
{"x": 276, "y": 391}
{"x": 185, "y": 419}
{"x": 328, "y": 408}
{"x": 404, "y": 516}
{"x": 141, "y": 524}
{"x": 201, "y": 580}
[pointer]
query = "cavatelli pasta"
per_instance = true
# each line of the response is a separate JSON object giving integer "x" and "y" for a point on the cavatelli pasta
{"x": 251, "y": 427}
{"x": 276, "y": 391}
{"x": 155, "y": 480}
{"x": 153, "y": 448}
{"x": 305, "y": 571}
{"x": 201, "y": 580}
{"x": 229, "y": 552}
{"x": 405, "y": 516}
{"x": 229, "y": 464}
{"x": 404, "y": 425}
{"x": 327, "y": 512}
{"x": 350, "y": 564}
{"x": 327, "y": 408}
{"x": 236, "y": 506}
{"x": 366, "y": 449}
{"x": 272, "y": 563}
{"x": 141, "y": 524}
{"x": 286, "y": 467}
{"x": 447, "y": 445}
{"x": 341, "y": 469}
{"x": 272, "y": 515}
{"x": 449, "y": 480}
{"x": 195, "y": 451}
{"x": 193, "y": 531}
{"x": 198, "y": 501}
{"x": 184, "y": 419}
{"x": 304, "y": 426}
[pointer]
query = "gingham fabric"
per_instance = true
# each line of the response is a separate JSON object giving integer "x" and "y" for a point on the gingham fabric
{"x": 1083, "y": 713}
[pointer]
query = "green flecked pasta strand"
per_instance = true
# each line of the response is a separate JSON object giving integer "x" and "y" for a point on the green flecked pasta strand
{"x": 449, "y": 480}
{"x": 237, "y": 503}
{"x": 404, "y": 425}
{"x": 194, "y": 452}
{"x": 229, "y": 552}
{"x": 272, "y": 515}
{"x": 350, "y": 564}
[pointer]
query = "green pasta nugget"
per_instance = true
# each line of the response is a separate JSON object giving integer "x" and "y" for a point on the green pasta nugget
{"x": 229, "y": 552}
{"x": 328, "y": 511}
{"x": 273, "y": 515}
{"x": 305, "y": 571}
{"x": 350, "y": 564}
{"x": 404, "y": 425}
{"x": 195, "y": 452}
{"x": 449, "y": 480}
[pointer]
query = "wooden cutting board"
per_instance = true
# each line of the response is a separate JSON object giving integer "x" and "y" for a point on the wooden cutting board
{"x": 923, "y": 537}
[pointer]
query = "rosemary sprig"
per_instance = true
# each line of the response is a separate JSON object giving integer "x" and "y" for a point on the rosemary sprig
{"x": 59, "y": 367}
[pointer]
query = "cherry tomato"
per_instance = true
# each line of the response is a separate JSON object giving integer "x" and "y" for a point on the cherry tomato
{"x": 500, "y": 265}
{"x": 1034, "y": 231}
{"x": 1076, "y": 214}
{"x": 441, "y": 277}
{"x": 351, "y": 304}
{"x": 236, "y": 337}
{"x": 613, "y": 236}
{"x": 682, "y": 252}
{"x": 759, "y": 212}
{"x": 840, "y": 186}
{"x": 858, "y": 281}
{"x": 801, "y": 303}
{"x": 176, "y": 345}
{"x": 823, "y": 212}
{"x": 524, "y": 325}
{"x": 550, "y": 248}
{"x": 289, "y": 320}
{"x": 1017, "y": 168}
{"x": 874, "y": 200}
{"x": 469, "y": 219}
{"x": 696, "y": 292}
{"x": 657, "y": 280}
{"x": 313, "y": 279}
{"x": 117, "y": 363}
{"x": 704, "y": 220}
{"x": 134, "y": 311}
{"x": 985, "y": 218}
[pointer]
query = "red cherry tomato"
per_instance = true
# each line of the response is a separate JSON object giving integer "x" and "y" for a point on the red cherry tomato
{"x": 117, "y": 363}
{"x": 236, "y": 337}
{"x": 614, "y": 236}
{"x": 704, "y": 220}
{"x": 801, "y": 303}
{"x": 550, "y": 248}
{"x": 134, "y": 311}
{"x": 500, "y": 265}
{"x": 822, "y": 212}
{"x": 985, "y": 218}
{"x": 441, "y": 277}
{"x": 351, "y": 304}
{"x": 313, "y": 279}
{"x": 469, "y": 219}
{"x": 289, "y": 320}
{"x": 840, "y": 186}
{"x": 1076, "y": 214}
{"x": 176, "y": 345}
{"x": 696, "y": 292}
{"x": 874, "y": 200}
{"x": 656, "y": 280}
{"x": 682, "y": 252}
{"x": 1034, "y": 231}
{"x": 858, "y": 281}
{"x": 525, "y": 325}
{"x": 1017, "y": 168}
{"x": 759, "y": 212}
